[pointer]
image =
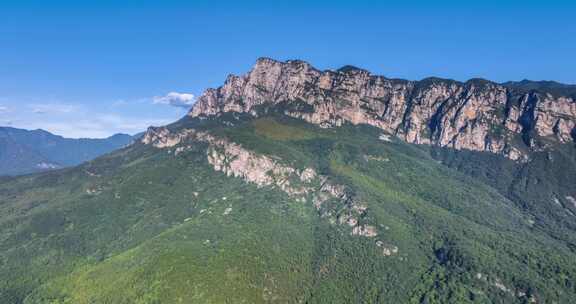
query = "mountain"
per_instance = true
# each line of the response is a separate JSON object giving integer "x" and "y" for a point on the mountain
{"x": 476, "y": 115}
{"x": 24, "y": 151}
{"x": 266, "y": 193}
{"x": 551, "y": 87}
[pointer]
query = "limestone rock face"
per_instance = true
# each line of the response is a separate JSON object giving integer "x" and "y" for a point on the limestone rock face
{"x": 477, "y": 115}
{"x": 234, "y": 160}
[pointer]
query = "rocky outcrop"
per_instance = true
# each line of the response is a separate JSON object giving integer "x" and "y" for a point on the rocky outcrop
{"x": 233, "y": 160}
{"x": 301, "y": 184}
{"x": 477, "y": 115}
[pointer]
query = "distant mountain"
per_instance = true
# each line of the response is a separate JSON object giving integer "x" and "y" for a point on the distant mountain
{"x": 24, "y": 151}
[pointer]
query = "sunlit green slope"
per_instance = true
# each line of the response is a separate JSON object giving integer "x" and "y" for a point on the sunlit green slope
{"x": 147, "y": 225}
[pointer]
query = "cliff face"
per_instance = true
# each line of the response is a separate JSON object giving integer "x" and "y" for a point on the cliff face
{"x": 302, "y": 184}
{"x": 477, "y": 115}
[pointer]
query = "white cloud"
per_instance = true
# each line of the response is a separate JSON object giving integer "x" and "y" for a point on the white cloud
{"x": 181, "y": 100}
{"x": 4, "y": 109}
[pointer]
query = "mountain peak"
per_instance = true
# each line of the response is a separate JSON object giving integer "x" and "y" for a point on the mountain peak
{"x": 264, "y": 60}
{"x": 272, "y": 61}
{"x": 478, "y": 115}
{"x": 352, "y": 69}
{"x": 265, "y": 65}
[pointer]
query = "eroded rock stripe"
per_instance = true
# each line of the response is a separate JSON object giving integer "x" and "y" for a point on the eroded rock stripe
{"x": 303, "y": 185}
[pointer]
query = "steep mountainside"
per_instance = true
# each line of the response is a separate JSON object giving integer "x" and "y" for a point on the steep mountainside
{"x": 273, "y": 210}
{"x": 476, "y": 115}
{"x": 23, "y": 151}
{"x": 254, "y": 201}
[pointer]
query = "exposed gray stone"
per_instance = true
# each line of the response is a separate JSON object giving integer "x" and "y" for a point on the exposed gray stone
{"x": 477, "y": 115}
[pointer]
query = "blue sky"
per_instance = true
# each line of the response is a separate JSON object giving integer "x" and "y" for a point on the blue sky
{"x": 95, "y": 68}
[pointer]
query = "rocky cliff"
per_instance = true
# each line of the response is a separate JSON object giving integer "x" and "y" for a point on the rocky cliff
{"x": 477, "y": 115}
{"x": 302, "y": 184}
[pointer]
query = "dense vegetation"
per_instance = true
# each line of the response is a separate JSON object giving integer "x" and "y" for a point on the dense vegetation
{"x": 143, "y": 225}
{"x": 550, "y": 87}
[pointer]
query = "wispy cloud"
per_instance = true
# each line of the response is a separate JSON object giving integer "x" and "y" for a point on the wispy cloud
{"x": 89, "y": 119}
{"x": 54, "y": 108}
{"x": 175, "y": 99}
{"x": 119, "y": 103}
{"x": 96, "y": 126}
{"x": 6, "y": 122}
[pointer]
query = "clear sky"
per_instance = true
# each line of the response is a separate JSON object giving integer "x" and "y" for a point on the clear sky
{"x": 94, "y": 68}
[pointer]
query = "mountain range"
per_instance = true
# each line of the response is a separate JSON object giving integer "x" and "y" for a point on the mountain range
{"x": 24, "y": 151}
{"x": 476, "y": 115}
{"x": 293, "y": 185}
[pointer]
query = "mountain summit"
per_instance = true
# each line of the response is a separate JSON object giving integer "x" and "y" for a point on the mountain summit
{"x": 509, "y": 119}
